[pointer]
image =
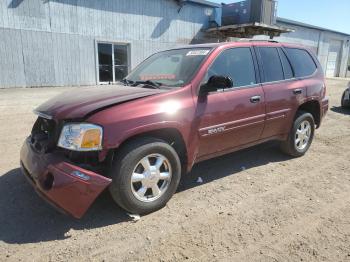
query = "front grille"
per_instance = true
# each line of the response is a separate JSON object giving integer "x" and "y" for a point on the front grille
{"x": 44, "y": 135}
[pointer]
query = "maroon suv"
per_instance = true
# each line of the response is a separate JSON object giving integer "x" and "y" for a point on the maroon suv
{"x": 175, "y": 109}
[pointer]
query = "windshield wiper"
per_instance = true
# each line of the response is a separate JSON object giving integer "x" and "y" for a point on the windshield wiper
{"x": 127, "y": 82}
{"x": 150, "y": 83}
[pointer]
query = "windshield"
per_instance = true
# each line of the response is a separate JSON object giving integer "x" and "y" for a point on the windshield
{"x": 170, "y": 68}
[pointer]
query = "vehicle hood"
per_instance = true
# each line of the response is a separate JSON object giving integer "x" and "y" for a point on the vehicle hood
{"x": 80, "y": 102}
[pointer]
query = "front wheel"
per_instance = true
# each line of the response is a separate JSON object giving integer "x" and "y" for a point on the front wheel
{"x": 145, "y": 175}
{"x": 301, "y": 135}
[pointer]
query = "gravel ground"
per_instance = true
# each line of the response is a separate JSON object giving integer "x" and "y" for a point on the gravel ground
{"x": 254, "y": 205}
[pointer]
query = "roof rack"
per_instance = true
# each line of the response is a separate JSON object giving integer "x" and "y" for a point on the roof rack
{"x": 257, "y": 40}
{"x": 248, "y": 30}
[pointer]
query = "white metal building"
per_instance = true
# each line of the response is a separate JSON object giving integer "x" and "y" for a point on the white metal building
{"x": 331, "y": 47}
{"x": 87, "y": 42}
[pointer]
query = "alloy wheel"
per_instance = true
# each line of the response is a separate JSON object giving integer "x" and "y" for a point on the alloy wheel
{"x": 303, "y": 135}
{"x": 151, "y": 177}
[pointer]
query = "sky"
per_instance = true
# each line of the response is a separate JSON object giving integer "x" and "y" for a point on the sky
{"x": 331, "y": 14}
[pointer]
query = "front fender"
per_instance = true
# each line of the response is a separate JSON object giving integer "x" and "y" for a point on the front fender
{"x": 139, "y": 130}
{"x": 187, "y": 133}
{"x": 173, "y": 110}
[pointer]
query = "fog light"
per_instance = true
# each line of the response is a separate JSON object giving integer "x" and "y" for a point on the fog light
{"x": 80, "y": 175}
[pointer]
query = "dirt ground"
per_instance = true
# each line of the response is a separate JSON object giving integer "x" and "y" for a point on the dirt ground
{"x": 254, "y": 205}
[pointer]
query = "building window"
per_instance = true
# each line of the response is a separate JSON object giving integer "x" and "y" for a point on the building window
{"x": 113, "y": 62}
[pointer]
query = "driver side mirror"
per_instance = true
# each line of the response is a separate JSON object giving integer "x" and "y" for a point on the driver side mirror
{"x": 214, "y": 83}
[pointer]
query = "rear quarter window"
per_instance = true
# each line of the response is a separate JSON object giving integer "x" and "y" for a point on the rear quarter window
{"x": 301, "y": 61}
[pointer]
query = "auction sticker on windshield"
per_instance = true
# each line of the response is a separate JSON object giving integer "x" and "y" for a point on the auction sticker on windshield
{"x": 158, "y": 77}
{"x": 197, "y": 52}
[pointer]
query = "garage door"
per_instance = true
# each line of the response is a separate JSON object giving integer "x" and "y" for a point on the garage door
{"x": 332, "y": 68}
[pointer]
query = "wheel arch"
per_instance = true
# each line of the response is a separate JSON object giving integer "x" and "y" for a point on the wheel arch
{"x": 170, "y": 135}
{"x": 314, "y": 108}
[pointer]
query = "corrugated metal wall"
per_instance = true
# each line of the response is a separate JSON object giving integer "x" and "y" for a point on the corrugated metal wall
{"x": 52, "y": 42}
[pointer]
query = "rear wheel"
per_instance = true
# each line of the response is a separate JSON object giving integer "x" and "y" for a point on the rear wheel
{"x": 301, "y": 135}
{"x": 145, "y": 175}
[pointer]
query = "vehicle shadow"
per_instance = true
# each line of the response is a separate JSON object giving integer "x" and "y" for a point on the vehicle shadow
{"x": 341, "y": 110}
{"x": 25, "y": 218}
{"x": 232, "y": 164}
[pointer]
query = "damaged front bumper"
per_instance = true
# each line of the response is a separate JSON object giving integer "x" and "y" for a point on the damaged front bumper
{"x": 66, "y": 186}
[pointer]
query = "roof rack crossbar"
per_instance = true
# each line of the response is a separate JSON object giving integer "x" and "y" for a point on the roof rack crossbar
{"x": 257, "y": 40}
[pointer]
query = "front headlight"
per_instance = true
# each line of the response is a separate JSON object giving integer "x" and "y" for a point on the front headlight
{"x": 81, "y": 137}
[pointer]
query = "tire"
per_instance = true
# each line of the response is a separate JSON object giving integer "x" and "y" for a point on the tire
{"x": 344, "y": 104}
{"x": 290, "y": 147}
{"x": 128, "y": 162}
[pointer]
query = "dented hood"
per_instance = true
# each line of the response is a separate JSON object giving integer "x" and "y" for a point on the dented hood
{"x": 79, "y": 102}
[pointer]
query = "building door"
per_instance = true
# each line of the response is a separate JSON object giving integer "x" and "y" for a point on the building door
{"x": 113, "y": 62}
{"x": 334, "y": 53}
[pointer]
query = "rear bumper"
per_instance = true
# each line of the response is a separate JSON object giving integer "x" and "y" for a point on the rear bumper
{"x": 324, "y": 107}
{"x": 67, "y": 187}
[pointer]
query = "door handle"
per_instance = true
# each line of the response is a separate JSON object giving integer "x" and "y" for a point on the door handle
{"x": 255, "y": 99}
{"x": 297, "y": 91}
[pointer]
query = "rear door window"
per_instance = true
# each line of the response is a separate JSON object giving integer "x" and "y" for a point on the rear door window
{"x": 287, "y": 68}
{"x": 236, "y": 63}
{"x": 302, "y": 62}
{"x": 272, "y": 66}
